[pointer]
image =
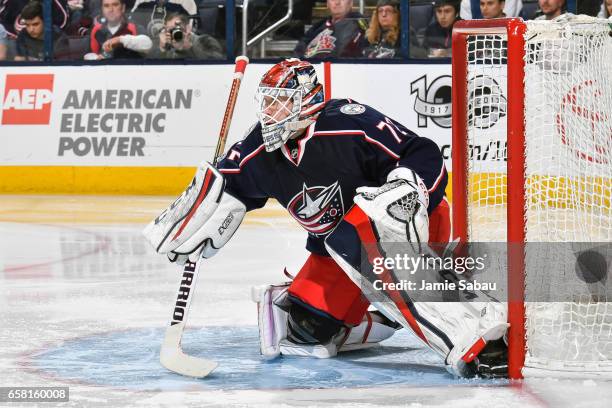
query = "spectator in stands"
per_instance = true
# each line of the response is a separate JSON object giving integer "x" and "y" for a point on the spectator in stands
{"x": 82, "y": 15}
{"x": 30, "y": 40}
{"x": 3, "y": 43}
{"x": 151, "y": 14}
{"x": 438, "y": 35}
{"x": 93, "y": 8}
{"x": 177, "y": 40}
{"x": 492, "y": 9}
{"x": 75, "y": 5}
{"x": 342, "y": 34}
{"x": 11, "y": 18}
{"x": 551, "y": 9}
{"x": 80, "y": 21}
{"x": 383, "y": 35}
{"x": 470, "y": 8}
{"x": 115, "y": 37}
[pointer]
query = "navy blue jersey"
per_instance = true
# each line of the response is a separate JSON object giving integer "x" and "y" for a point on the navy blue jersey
{"x": 315, "y": 177}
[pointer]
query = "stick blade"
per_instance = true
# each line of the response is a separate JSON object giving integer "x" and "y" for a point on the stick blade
{"x": 173, "y": 358}
{"x": 177, "y": 361}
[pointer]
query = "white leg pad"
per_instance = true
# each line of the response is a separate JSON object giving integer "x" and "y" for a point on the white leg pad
{"x": 370, "y": 332}
{"x": 469, "y": 326}
{"x": 457, "y": 331}
{"x": 272, "y": 320}
{"x": 273, "y": 329}
{"x": 289, "y": 348}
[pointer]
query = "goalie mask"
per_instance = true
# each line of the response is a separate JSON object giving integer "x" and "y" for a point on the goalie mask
{"x": 288, "y": 100}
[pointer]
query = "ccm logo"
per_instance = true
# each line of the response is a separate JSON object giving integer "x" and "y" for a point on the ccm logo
{"x": 27, "y": 99}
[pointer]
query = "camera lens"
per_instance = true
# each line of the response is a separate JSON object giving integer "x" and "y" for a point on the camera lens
{"x": 177, "y": 35}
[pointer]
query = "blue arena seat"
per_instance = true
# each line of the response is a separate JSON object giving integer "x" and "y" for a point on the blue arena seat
{"x": 421, "y": 14}
{"x": 530, "y": 7}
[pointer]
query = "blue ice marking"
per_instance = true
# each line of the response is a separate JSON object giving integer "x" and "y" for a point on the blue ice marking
{"x": 130, "y": 360}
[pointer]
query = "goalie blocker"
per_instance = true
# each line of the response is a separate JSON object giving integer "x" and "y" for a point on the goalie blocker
{"x": 200, "y": 221}
{"x": 469, "y": 336}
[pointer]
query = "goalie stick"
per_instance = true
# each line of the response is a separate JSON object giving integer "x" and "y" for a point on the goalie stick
{"x": 172, "y": 356}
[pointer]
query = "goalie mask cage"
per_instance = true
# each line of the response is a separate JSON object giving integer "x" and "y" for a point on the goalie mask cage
{"x": 532, "y": 162}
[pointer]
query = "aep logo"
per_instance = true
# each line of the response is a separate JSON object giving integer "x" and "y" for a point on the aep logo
{"x": 27, "y": 99}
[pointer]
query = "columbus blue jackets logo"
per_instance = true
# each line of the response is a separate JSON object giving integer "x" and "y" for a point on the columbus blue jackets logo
{"x": 318, "y": 209}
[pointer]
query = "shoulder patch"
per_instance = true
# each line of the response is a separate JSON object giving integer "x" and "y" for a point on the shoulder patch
{"x": 352, "y": 109}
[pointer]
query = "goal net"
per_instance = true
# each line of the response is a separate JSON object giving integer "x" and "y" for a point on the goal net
{"x": 532, "y": 164}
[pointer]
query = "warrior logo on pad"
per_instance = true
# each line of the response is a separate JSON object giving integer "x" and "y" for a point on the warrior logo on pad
{"x": 317, "y": 209}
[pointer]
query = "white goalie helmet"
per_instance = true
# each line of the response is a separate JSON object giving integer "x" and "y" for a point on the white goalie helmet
{"x": 289, "y": 98}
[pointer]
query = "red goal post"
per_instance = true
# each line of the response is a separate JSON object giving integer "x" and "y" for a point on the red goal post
{"x": 515, "y": 30}
{"x": 491, "y": 95}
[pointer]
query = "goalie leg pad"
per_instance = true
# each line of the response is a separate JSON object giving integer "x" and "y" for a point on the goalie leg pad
{"x": 289, "y": 328}
{"x": 271, "y": 319}
{"x": 468, "y": 326}
{"x": 456, "y": 331}
{"x": 374, "y": 328}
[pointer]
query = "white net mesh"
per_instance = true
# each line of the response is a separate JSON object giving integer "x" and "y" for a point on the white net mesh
{"x": 568, "y": 152}
{"x": 487, "y": 79}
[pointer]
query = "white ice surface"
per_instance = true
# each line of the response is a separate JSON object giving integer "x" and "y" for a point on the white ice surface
{"x": 63, "y": 282}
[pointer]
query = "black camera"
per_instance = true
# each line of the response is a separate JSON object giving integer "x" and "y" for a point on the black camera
{"x": 177, "y": 34}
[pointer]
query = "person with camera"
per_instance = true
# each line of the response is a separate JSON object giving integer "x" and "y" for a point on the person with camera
{"x": 178, "y": 41}
{"x": 114, "y": 37}
{"x": 151, "y": 13}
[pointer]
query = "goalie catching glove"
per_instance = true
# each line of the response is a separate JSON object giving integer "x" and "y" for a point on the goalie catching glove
{"x": 399, "y": 205}
{"x": 199, "y": 222}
